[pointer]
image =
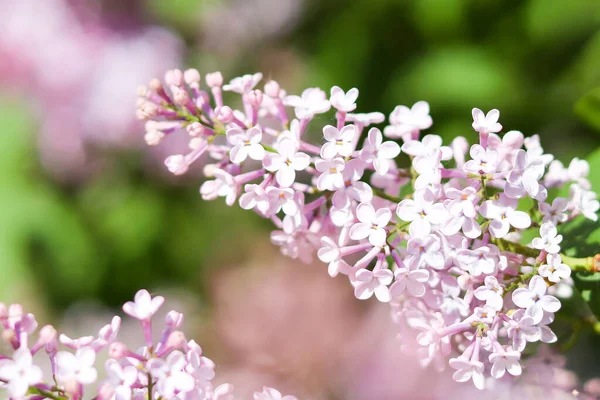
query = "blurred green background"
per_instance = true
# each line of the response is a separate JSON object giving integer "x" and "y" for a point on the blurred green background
{"x": 125, "y": 226}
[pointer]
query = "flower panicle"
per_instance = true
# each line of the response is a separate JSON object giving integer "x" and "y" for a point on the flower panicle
{"x": 171, "y": 368}
{"x": 439, "y": 240}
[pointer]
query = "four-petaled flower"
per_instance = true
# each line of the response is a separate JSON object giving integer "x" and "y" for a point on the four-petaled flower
{"x": 20, "y": 372}
{"x": 550, "y": 240}
{"x": 286, "y": 162}
{"x": 504, "y": 214}
{"x": 483, "y": 123}
{"x": 379, "y": 153}
{"x": 245, "y": 144}
{"x": 78, "y": 367}
{"x": 490, "y": 292}
{"x": 144, "y": 306}
{"x": 554, "y": 270}
{"x": 484, "y": 161}
{"x": 412, "y": 281}
{"x": 372, "y": 224}
{"x": 343, "y": 101}
{"x": 535, "y": 300}
{"x": 338, "y": 141}
{"x": 367, "y": 282}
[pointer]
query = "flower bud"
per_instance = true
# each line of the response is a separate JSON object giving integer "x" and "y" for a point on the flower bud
{"x": 272, "y": 89}
{"x": 174, "y": 319}
{"x": 156, "y": 84}
{"x": 174, "y": 77}
{"x": 154, "y": 137}
{"x": 142, "y": 91}
{"x": 177, "y": 164}
{"x": 105, "y": 391}
{"x": 117, "y": 350}
{"x": 255, "y": 98}
{"x": 195, "y": 129}
{"x": 224, "y": 114}
{"x": 214, "y": 79}
{"x": 181, "y": 97}
{"x": 209, "y": 170}
{"x": 196, "y": 143}
{"x": 176, "y": 340}
{"x": 47, "y": 335}
{"x": 192, "y": 77}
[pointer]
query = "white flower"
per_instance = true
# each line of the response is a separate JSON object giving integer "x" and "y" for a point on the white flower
{"x": 282, "y": 198}
{"x": 286, "y": 162}
{"x": 406, "y": 121}
{"x": 366, "y": 119}
{"x": 555, "y": 213}
{"x": 483, "y": 123}
{"x": 345, "y": 102}
{"x": 379, "y": 153}
{"x": 78, "y": 367}
{"x": 372, "y": 224}
{"x": 411, "y": 280}
{"x": 224, "y": 185}
{"x": 271, "y": 394}
{"x": 503, "y": 214}
{"x": 255, "y": 197}
{"x": 243, "y": 84}
{"x": 171, "y": 375}
{"x": 338, "y": 141}
{"x": 524, "y": 177}
{"x": 368, "y": 282}
{"x": 550, "y": 240}
{"x": 422, "y": 212}
{"x": 505, "y": 360}
{"x": 121, "y": 378}
{"x": 20, "y": 373}
{"x": 554, "y": 270}
{"x": 466, "y": 370}
{"x": 331, "y": 170}
{"x": 144, "y": 306}
{"x": 535, "y": 300}
{"x": 313, "y": 101}
{"x": 427, "y": 145}
{"x": 522, "y": 329}
{"x": 484, "y": 161}
{"x": 245, "y": 144}
{"x": 490, "y": 292}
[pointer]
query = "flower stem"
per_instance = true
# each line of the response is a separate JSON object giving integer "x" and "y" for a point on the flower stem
{"x": 384, "y": 195}
{"x": 45, "y": 393}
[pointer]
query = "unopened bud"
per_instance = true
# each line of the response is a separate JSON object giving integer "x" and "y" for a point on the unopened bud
{"x": 117, "y": 350}
{"x": 192, "y": 77}
{"x": 272, "y": 89}
{"x": 156, "y": 84}
{"x": 177, "y": 164}
{"x": 224, "y": 114}
{"x": 154, "y": 137}
{"x": 214, "y": 79}
{"x": 209, "y": 170}
{"x": 174, "y": 319}
{"x": 174, "y": 77}
{"x": 195, "y": 129}
{"x": 176, "y": 340}
{"x": 105, "y": 391}
{"x": 255, "y": 98}
{"x": 47, "y": 335}
{"x": 181, "y": 97}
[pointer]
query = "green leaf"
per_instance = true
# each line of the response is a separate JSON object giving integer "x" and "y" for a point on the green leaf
{"x": 586, "y": 277}
{"x": 588, "y": 108}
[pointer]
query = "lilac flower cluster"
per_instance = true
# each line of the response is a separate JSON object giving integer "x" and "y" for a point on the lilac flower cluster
{"x": 172, "y": 368}
{"x": 438, "y": 239}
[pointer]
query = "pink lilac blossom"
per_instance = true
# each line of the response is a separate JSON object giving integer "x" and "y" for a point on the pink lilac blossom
{"x": 449, "y": 260}
{"x": 79, "y": 74}
{"x": 170, "y": 368}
